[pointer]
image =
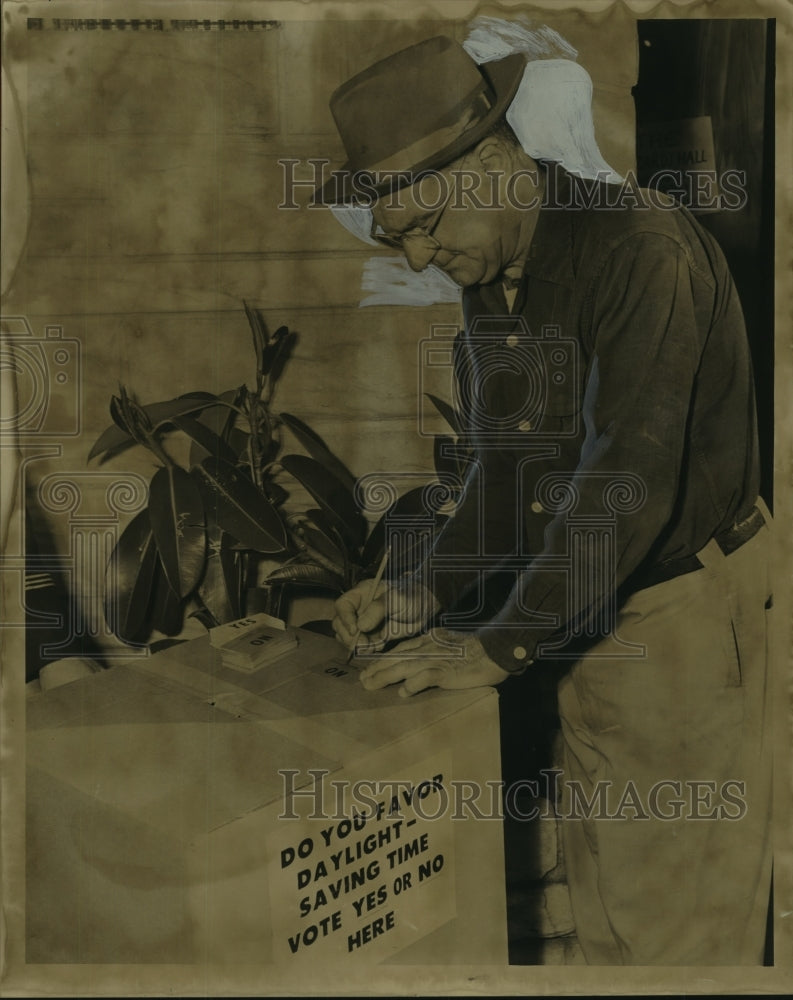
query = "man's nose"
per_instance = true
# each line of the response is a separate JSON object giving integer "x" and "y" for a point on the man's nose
{"x": 418, "y": 253}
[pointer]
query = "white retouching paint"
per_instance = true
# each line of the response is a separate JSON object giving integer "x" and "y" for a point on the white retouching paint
{"x": 551, "y": 115}
{"x": 356, "y": 220}
{"x": 391, "y": 282}
{"x": 491, "y": 38}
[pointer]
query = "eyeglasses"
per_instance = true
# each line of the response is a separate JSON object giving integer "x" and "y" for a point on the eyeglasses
{"x": 417, "y": 239}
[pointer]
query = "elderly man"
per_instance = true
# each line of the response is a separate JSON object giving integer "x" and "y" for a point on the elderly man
{"x": 610, "y": 515}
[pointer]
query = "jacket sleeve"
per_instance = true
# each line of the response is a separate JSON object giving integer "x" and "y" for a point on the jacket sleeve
{"x": 469, "y": 548}
{"x": 645, "y": 352}
{"x": 486, "y": 522}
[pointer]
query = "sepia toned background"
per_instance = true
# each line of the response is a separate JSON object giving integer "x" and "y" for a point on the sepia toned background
{"x": 153, "y": 211}
{"x": 152, "y": 195}
{"x": 154, "y": 186}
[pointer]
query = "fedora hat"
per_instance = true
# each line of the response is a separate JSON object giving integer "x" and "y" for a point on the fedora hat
{"x": 415, "y": 111}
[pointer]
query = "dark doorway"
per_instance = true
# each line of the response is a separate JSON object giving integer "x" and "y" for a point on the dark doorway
{"x": 705, "y": 102}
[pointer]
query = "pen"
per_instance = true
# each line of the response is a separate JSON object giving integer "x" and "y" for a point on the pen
{"x": 377, "y": 578}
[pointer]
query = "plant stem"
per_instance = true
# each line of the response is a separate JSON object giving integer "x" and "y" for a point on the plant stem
{"x": 255, "y": 449}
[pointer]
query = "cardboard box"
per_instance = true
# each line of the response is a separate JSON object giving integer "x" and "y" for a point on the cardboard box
{"x": 182, "y": 812}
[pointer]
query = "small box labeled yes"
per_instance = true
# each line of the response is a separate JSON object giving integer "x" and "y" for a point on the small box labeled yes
{"x": 254, "y": 642}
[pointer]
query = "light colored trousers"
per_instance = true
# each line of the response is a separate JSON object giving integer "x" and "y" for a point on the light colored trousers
{"x": 693, "y": 709}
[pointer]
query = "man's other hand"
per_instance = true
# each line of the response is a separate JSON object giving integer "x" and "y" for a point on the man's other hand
{"x": 428, "y": 663}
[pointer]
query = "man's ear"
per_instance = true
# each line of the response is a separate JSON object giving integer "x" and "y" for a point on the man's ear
{"x": 493, "y": 154}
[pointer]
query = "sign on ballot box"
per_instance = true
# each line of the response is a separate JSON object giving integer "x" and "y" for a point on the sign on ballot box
{"x": 182, "y": 811}
{"x": 372, "y": 879}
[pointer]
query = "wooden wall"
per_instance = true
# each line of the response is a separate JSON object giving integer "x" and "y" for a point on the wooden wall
{"x": 153, "y": 190}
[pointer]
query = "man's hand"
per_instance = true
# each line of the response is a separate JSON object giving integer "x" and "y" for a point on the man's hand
{"x": 368, "y": 617}
{"x": 427, "y": 663}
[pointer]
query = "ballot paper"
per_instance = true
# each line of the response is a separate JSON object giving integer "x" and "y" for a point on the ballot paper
{"x": 253, "y": 642}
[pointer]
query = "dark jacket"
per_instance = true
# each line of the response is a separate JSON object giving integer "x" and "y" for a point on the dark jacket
{"x": 612, "y": 417}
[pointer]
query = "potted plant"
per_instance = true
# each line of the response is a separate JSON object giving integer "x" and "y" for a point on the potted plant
{"x": 219, "y": 532}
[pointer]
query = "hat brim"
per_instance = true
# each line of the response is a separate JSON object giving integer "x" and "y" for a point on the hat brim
{"x": 503, "y": 75}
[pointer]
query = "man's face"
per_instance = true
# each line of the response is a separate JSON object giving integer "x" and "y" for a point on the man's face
{"x": 443, "y": 220}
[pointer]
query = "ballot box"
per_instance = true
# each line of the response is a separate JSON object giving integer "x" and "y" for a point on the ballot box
{"x": 179, "y": 811}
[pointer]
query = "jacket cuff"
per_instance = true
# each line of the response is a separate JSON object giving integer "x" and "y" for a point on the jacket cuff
{"x": 512, "y": 649}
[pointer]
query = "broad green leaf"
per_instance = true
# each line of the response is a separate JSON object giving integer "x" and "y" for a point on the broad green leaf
{"x": 238, "y": 507}
{"x": 209, "y": 443}
{"x": 331, "y": 528}
{"x": 159, "y": 414}
{"x": 167, "y": 610}
{"x": 238, "y": 442}
{"x": 308, "y": 575}
{"x": 273, "y": 450}
{"x": 177, "y": 517}
{"x": 319, "y": 451}
{"x": 410, "y": 504}
{"x": 275, "y": 492}
{"x": 327, "y": 547}
{"x": 261, "y": 428}
{"x": 162, "y": 413}
{"x": 275, "y": 346}
{"x": 205, "y": 616}
{"x": 330, "y": 493}
{"x": 448, "y": 412}
{"x": 111, "y": 441}
{"x": 328, "y": 526}
{"x": 221, "y": 588}
{"x": 128, "y": 580}
{"x": 407, "y": 552}
{"x": 259, "y": 334}
{"x": 136, "y": 419}
{"x": 118, "y": 415}
{"x": 445, "y": 453}
{"x": 221, "y": 420}
{"x": 234, "y": 565}
{"x": 219, "y": 416}
{"x": 278, "y": 353}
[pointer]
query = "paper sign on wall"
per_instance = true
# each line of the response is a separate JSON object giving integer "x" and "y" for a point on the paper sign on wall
{"x": 679, "y": 158}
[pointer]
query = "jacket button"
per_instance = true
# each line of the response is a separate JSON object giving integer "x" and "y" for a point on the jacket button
{"x": 537, "y": 507}
{"x": 513, "y": 340}
{"x": 519, "y": 653}
{"x": 524, "y": 425}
